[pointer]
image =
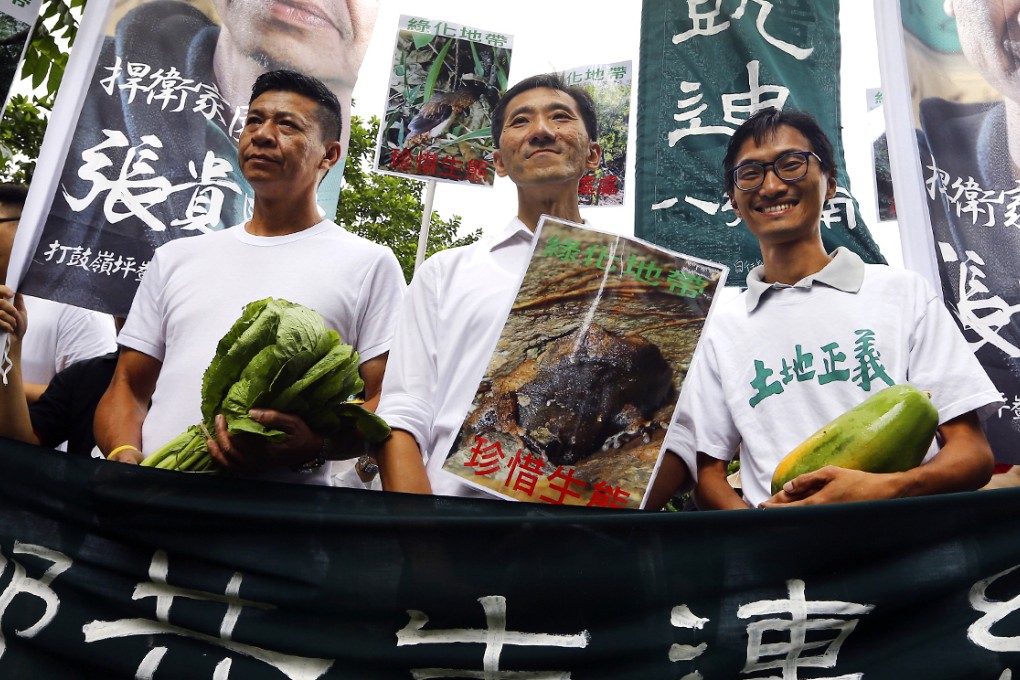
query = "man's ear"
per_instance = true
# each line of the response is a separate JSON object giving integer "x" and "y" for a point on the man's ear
{"x": 497, "y": 162}
{"x": 733, "y": 204}
{"x": 594, "y": 156}
{"x": 830, "y": 185}
{"x": 332, "y": 154}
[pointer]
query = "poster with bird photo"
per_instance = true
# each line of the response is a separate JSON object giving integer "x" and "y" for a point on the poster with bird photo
{"x": 610, "y": 87}
{"x": 583, "y": 383}
{"x": 444, "y": 82}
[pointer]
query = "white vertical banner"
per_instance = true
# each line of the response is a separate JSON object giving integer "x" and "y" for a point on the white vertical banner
{"x": 951, "y": 77}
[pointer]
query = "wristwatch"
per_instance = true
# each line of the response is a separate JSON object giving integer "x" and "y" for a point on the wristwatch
{"x": 317, "y": 462}
{"x": 367, "y": 466}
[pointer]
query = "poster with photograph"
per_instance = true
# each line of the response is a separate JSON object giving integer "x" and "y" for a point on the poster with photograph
{"x": 445, "y": 80}
{"x": 575, "y": 402}
{"x": 152, "y": 154}
{"x": 610, "y": 87}
{"x": 16, "y": 20}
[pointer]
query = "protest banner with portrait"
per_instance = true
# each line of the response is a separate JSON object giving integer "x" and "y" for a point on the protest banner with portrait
{"x": 582, "y": 385}
{"x": 149, "y": 153}
{"x": 705, "y": 68}
{"x": 610, "y": 87}
{"x": 445, "y": 80}
{"x": 954, "y": 123}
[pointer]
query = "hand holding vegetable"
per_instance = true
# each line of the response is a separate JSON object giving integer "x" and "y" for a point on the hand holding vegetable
{"x": 251, "y": 454}
{"x": 278, "y": 382}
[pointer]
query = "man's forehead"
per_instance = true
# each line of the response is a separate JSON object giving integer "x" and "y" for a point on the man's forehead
{"x": 541, "y": 98}
{"x": 283, "y": 101}
{"x": 776, "y": 141}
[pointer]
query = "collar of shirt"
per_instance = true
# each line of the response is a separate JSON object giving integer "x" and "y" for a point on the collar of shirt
{"x": 510, "y": 233}
{"x": 845, "y": 272}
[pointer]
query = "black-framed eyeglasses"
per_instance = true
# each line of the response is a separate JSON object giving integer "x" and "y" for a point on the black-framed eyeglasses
{"x": 16, "y": 218}
{"x": 789, "y": 167}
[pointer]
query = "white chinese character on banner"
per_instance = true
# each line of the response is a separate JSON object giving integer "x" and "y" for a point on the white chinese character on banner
{"x": 806, "y": 647}
{"x": 980, "y": 632}
{"x": 707, "y": 22}
{"x": 682, "y": 617}
{"x": 22, "y": 584}
{"x": 137, "y": 187}
{"x": 495, "y": 637}
{"x": 978, "y": 309}
{"x": 295, "y": 667}
{"x": 737, "y": 107}
{"x": 203, "y": 211}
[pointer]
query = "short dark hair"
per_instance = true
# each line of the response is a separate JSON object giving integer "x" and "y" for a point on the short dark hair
{"x": 13, "y": 193}
{"x": 328, "y": 111}
{"x": 585, "y": 104}
{"x": 763, "y": 125}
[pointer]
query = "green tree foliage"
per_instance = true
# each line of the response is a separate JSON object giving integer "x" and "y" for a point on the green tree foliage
{"x": 388, "y": 209}
{"x": 24, "y": 122}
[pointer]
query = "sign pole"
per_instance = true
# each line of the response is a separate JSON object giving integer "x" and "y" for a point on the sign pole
{"x": 426, "y": 223}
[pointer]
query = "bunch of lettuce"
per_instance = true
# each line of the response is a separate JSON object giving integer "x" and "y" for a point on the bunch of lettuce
{"x": 278, "y": 355}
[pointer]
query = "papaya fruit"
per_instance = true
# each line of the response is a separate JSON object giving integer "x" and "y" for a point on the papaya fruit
{"x": 888, "y": 432}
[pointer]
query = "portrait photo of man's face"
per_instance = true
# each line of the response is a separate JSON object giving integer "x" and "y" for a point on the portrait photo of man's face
{"x": 989, "y": 34}
{"x": 323, "y": 38}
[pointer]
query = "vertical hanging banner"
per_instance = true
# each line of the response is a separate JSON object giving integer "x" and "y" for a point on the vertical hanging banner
{"x": 961, "y": 126}
{"x": 582, "y": 385}
{"x": 152, "y": 154}
{"x": 705, "y": 68}
{"x": 445, "y": 80}
{"x": 610, "y": 87}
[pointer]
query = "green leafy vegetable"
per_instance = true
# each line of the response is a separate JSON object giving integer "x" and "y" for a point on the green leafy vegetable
{"x": 277, "y": 355}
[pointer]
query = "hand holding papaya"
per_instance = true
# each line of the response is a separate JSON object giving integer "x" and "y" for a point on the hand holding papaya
{"x": 831, "y": 484}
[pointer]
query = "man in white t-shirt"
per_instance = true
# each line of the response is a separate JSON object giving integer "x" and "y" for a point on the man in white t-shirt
{"x": 59, "y": 334}
{"x": 544, "y": 132}
{"x": 814, "y": 335}
{"x": 195, "y": 288}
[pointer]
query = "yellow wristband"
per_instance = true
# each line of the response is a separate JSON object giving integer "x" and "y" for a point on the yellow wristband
{"x": 121, "y": 448}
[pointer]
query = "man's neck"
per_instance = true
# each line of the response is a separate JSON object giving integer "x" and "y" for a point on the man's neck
{"x": 532, "y": 204}
{"x": 282, "y": 217}
{"x": 790, "y": 262}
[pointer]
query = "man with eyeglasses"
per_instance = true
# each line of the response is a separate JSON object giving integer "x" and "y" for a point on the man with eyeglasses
{"x": 814, "y": 335}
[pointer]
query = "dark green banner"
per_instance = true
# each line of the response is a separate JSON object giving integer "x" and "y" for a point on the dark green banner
{"x": 705, "y": 68}
{"x": 111, "y": 571}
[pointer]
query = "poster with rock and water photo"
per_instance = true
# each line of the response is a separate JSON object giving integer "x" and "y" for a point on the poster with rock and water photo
{"x": 581, "y": 388}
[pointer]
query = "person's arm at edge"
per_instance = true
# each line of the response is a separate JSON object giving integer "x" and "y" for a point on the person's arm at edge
{"x": 15, "y": 420}
{"x": 671, "y": 477}
{"x": 713, "y": 490}
{"x": 121, "y": 411}
{"x": 33, "y": 391}
{"x": 372, "y": 372}
{"x": 400, "y": 465}
{"x": 964, "y": 463}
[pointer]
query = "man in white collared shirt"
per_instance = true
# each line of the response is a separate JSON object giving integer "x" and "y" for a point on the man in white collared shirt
{"x": 544, "y": 132}
{"x": 814, "y": 335}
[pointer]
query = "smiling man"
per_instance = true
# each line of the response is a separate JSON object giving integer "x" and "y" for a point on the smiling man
{"x": 814, "y": 335}
{"x": 545, "y": 134}
{"x": 196, "y": 288}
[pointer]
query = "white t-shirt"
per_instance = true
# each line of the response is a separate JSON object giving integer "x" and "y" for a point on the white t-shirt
{"x": 59, "y": 335}
{"x": 767, "y": 378}
{"x": 196, "y": 288}
{"x": 454, "y": 312}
